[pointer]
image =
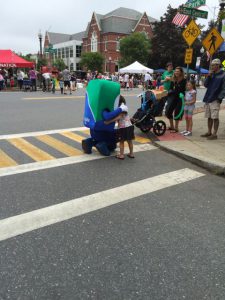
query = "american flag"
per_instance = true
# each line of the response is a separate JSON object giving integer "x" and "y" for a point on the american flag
{"x": 180, "y": 20}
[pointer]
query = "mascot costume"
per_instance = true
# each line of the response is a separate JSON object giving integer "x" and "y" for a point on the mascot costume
{"x": 101, "y": 103}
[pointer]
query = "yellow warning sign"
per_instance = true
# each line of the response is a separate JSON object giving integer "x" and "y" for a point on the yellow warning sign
{"x": 212, "y": 41}
{"x": 188, "y": 56}
{"x": 191, "y": 33}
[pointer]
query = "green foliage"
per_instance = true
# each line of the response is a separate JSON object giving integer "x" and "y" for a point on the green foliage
{"x": 27, "y": 57}
{"x": 92, "y": 61}
{"x": 167, "y": 43}
{"x": 59, "y": 64}
{"x": 42, "y": 61}
{"x": 134, "y": 47}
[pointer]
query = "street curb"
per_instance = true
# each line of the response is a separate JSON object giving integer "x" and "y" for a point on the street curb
{"x": 216, "y": 169}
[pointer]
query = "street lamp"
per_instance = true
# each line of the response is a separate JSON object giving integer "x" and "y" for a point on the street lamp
{"x": 40, "y": 41}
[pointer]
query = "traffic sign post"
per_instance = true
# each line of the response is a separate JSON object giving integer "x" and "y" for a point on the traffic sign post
{"x": 212, "y": 41}
{"x": 191, "y": 33}
{"x": 195, "y": 13}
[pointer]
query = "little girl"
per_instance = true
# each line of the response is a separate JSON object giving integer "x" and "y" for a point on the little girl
{"x": 126, "y": 131}
{"x": 190, "y": 99}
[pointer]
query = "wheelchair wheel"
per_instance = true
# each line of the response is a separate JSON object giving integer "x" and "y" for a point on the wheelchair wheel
{"x": 159, "y": 128}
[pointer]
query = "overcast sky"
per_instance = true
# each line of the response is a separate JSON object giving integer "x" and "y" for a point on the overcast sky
{"x": 21, "y": 20}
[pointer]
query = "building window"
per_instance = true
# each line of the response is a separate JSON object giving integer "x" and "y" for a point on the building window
{"x": 106, "y": 43}
{"x": 94, "y": 42}
{"x": 78, "y": 51}
{"x": 71, "y": 51}
{"x": 67, "y": 52}
{"x": 78, "y": 67}
{"x": 71, "y": 67}
{"x": 63, "y": 53}
{"x": 59, "y": 53}
{"x": 144, "y": 33}
{"x": 117, "y": 44}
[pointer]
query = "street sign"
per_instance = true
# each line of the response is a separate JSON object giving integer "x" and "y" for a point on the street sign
{"x": 195, "y": 3}
{"x": 212, "y": 41}
{"x": 195, "y": 13}
{"x": 191, "y": 33}
{"x": 188, "y": 56}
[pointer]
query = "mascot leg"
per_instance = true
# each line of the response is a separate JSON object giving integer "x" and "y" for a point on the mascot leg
{"x": 103, "y": 148}
{"x": 87, "y": 145}
{"x": 112, "y": 147}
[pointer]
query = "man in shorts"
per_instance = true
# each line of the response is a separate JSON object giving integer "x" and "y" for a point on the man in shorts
{"x": 215, "y": 84}
{"x": 66, "y": 78}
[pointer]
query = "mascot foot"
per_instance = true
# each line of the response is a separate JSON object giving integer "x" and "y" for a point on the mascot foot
{"x": 87, "y": 145}
{"x": 102, "y": 148}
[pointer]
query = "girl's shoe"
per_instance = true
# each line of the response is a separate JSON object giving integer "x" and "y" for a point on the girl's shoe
{"x": 183, "y": 132}
{"x": 188, "y": 133}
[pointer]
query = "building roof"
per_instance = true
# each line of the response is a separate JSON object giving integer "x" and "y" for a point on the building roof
{"x": 57, "y": 38}
{"x": 120, "y": 20}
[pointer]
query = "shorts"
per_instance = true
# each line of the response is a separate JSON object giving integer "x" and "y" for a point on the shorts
{"x": 67, "y": 83}
{"x": 212, "y": 110}
{"x": 188, "y": 111}
{"x": 126, "y": 134}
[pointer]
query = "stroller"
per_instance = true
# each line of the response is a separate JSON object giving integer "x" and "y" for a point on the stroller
{"x": 144, "y": 118}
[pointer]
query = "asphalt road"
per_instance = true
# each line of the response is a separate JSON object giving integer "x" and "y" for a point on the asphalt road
{"x": 145, "y": 228}
{"x": 36, "y": 111}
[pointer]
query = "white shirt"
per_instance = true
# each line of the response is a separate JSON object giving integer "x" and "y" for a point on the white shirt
{"x": 46, "y": 75}
{"x": 147, "y": 77}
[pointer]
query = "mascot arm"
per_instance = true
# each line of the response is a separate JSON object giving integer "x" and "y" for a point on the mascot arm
{"x": 112, "y": 114}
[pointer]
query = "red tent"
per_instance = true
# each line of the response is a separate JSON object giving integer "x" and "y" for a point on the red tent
{"x": 9, "y": 59}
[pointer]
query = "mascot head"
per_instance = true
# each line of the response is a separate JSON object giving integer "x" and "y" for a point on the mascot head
{"x": 100, "y": 95}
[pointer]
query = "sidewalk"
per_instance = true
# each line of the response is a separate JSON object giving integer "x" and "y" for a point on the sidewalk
{"x": 200, "y": 151}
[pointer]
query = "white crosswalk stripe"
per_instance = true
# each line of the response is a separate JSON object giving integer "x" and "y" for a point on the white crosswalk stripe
{"x": 40, "y": 218}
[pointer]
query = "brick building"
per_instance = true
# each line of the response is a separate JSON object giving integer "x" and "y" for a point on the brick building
{"x": 104, "y": 32}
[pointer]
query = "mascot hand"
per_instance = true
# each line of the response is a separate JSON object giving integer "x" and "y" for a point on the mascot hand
{"x": 124, "y": 107}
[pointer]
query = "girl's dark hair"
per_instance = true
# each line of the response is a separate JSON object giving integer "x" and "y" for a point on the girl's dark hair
{"x": 192, "y": 83}
{"x": 121, "y": 100}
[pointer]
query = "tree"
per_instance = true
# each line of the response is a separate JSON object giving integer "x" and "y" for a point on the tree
{"x": 42, "y": 61}
{"x": 59, "y": 64}
{"x": 134, "y": 47}
{"x": 92, "y": 61}
{"x": 168, "y": 43}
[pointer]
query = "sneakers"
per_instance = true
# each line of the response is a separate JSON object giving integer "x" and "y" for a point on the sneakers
{"x": 183, "y": 132}
{"x": 188, "y": 133}
{"x": 212, "y": 137}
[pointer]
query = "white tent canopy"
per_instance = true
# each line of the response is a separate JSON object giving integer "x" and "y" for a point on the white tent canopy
{"x": 136, "y": 68}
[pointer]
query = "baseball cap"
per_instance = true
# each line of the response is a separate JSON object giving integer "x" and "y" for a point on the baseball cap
{"x": 169, "y": 64}
{"x": 216, "y": 61}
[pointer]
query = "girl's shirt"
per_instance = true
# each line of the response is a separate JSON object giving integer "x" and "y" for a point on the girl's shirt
{"x": 189, "y": 96}
{"x": 124, "y": 121}
{"x": 61, "y": 84}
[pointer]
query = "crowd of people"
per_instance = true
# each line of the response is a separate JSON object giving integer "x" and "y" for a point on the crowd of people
{"x": 173, "y": 81}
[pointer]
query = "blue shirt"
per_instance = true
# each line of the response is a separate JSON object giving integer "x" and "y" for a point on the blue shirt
{"x": 215, "y": 85}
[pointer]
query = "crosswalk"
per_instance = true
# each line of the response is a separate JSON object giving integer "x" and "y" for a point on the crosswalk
{"x": 26, "y": 222}
{"x": 45, "y": 149}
